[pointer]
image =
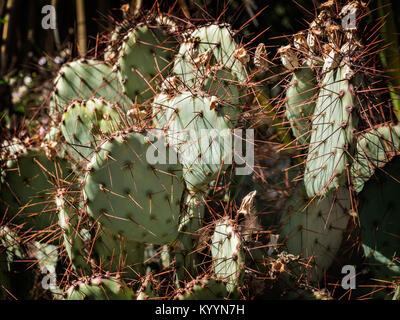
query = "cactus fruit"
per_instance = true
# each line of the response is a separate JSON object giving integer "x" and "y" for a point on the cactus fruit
{"x": 332, "y": 135}
{"x": 28, "y": 182}
{"x": 86, "y": 79}
{"x": 228, "y": 254}
{"x": 205, "y": 288}
{"x": 144, "y": 61}
{"x": 99, "y": 287}
{"x": 379, "y": 214}
{"x": 315, "y": 230}
{"x": 116, "y": 197}
{"x": 85, "y": 123}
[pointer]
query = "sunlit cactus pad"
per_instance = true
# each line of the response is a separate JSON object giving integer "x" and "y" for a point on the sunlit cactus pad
{"x": 130, "y": 196}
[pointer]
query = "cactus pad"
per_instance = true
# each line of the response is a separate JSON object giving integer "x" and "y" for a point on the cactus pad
{"x": 207, "y": 43}
{"x": 197, "y": 128}
{"x": 85, "y": 123}
{"x": 375, "y": 149}
{"x": 99, "y": 288}
{"x": 379, "y": 210}
{"x": 144, "y": 59}
{"x": 86, "y": 79}
{"x": 118, "y": 198}
{"x": 315, "y": 231}
{"x": 203, "y": 289}
{"x": 228, "y": 254}
{"x": 331, "y": 136}
{"x": 28, "y": 189}
{"x": 301, "y": 100}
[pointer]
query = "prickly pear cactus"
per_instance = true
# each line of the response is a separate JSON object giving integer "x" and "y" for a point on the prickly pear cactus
{"x": 73, "y": 240}
{"x": 85, "y": 123}
{"x": 28, "y": 182}
{"x": 315, "y": 229}
{"x": 332, "y": 135}
{"x": 186, "y": 258}
{"x": 200, "y": 130}
{"x": 213, "y": 43}
{"x": 228, "y": 254}
{"x": 116, "y": 197}
{"x": 379, "y": 214}
{"x": 203, "y": 289}
{"x": 99, "y": 287}
{"x": 144, "y": 61}
{"x": 86, "y": 79}
{"x": 4, "y": 273}
{"x": 117, "y": 254}
{"x": 375, "y": 148}
{"x": 149, "y": 134}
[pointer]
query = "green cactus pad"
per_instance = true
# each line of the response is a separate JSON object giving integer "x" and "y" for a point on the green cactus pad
{"x": 217, "y": 40}
{"x": 111, "y": 52}
{"x": 106, "y": 250}
{"x": 117, "y": 254}
{"x": 99, "y": 288}
{"x": 315, "y": 230}
{"x": 69, "y": 219}
{"x": 131, "y": 197}
{"x": 197, "y": 128}
{"x": 28, "y": 188}
{"x": 186, "y": 256}
{"x": 86, "y": 79}
{"x": 301, "y": 101}
{"x": 86, "y": 123}
{"x": 144, "y": 61}
{"x": 375, "y": 149}
{"x": 228, "y": 254}
{"x": 331, "y": 137}
{"x": 379, "y": 211}
{"x": 205, "y": 288}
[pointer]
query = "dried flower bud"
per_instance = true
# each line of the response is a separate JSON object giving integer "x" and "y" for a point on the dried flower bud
{"x": 261, "y": 58}
{"x": 300, "y": 41}
{"x": 242, "y": 55}
{"x": 214, "y": 102}
{"x": 331, "y": 60}
{"x": 137, "y": 114}
{"x": 327, "y": 5}
{"x": 311, "y": 41}
{"x": 203, "y": 58}
{"x": 288, "y": 57}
